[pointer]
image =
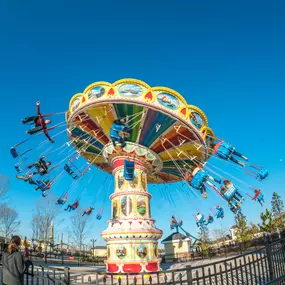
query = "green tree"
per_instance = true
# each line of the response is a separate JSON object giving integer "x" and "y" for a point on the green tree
{"x": 268, "y": 222}
{"x": 204, "y": 238}
{"x": 277, "y": 205}
{"x": 243, "y": 233}
{"x": 253, "y": 228}
{"x": 278, "y": 210}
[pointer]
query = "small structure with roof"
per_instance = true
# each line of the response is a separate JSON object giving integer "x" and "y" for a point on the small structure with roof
{"x": 176, "y": 245}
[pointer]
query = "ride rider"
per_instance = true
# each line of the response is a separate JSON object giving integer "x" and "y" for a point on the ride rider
{"x": 258, "y": 196}
{"x": 226, "y": 151}
{"x": 118, "y": 127}
{"x": 220, "y": 212}
{"x": 73, "y": 206}
{"x": 198, "y": 178}
{"x": 88, "y": 211}
{"x": 41, "y": 166}
{"x": 40, "y": 124}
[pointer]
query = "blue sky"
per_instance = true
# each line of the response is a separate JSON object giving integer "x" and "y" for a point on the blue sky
{"x": 225, "y": 57}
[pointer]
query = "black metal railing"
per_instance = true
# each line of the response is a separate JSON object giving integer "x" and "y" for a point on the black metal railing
{"x": 263, "y": 266}
{"x": 257, "y": 267}
{"x": 39, "y": 275}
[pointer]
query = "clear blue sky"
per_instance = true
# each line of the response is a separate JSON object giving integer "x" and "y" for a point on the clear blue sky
{"x": 227, "y": 57}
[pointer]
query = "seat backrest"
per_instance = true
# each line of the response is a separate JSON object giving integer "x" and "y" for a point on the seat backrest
{"x": 230, "y": 192}
{"x": 42, "y": 185}
{"x": 14, "y": 152}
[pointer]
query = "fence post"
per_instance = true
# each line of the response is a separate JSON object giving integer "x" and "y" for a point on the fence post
{"x": 189, "y": 274}
{"x": 269, "y": 259}
{"x": 67, "y": 275}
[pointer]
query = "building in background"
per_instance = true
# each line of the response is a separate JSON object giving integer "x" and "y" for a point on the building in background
{"x": 99, "y": 251}
{"x": 176, "y": 246}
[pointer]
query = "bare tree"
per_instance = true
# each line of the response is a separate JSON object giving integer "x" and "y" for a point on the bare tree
{"x": 220, "y": 234}
{"x": 36, "y": 227}
{"x": 9, "y": 220}
{"x": 5, "y": 186}
{"x": 78, "y": 230}
{"x": 42, "y": 222}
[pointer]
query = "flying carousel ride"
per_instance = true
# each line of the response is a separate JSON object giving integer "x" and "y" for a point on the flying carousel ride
{"x": 141, "y": 135}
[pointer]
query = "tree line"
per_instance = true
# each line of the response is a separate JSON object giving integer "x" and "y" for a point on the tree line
{"x": 271, "y": 221}
{"x": 45, "y": 220}
{"x": 9, "y": 217}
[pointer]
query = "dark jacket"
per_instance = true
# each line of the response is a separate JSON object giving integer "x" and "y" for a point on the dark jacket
{"x": 13, "y": 268}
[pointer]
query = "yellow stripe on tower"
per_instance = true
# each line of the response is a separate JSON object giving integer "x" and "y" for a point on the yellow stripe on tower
{"x": 100, "y": 114}
{"x": 186, "y": 151}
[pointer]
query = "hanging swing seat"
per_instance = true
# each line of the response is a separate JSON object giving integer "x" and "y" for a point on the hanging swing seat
{"x": 71, "y": 170}
{"x": 129, "y": 168}
{"x": 45, "y": 193}
{"x": 42, "y": 185}
{"x": 220, "y": 213}
{"x": 199, "y": 179}
{"x": 225, "y": 150}
{"x": 99, "y": 214}
{"x": 210, "y": 220}
{"x": 61, "y": 201}
{"x": 18, "y": 169}
{"x": 258, "y": 196}
{"x": 15, "y": 153}
{"x": 229, "y": 194}
{"x": 262, "y": 174}
{"x": 199, "y": 220}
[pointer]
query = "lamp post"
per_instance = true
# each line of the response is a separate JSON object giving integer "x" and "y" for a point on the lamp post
{"x": 61, "y": 240}
{"x": 93, "y": 248}
{"x": 25, "y": 247}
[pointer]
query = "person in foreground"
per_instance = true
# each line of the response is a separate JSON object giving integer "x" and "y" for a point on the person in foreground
{"x": 13, "y": 264}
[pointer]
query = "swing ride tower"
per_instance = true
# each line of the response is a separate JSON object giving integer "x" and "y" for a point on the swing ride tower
{"x": 168, "y": 137}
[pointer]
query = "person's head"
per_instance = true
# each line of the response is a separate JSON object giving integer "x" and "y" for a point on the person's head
{"x": 47, "y": 122}
{"x": 255, "y": 190}
{"x": 227, "y": 182}
{"x": 48, "y": 163}
{"x": 212, "y": 144}
{"x": 14, "y": 244}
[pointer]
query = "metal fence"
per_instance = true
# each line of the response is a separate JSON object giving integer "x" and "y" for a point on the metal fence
{"x": 39, "y": 275}
{"x": 263, "y": 266}
{"x": 45, "y": 275}
{"x": 257, "y": 267}
{"x": 222, "y": 251}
